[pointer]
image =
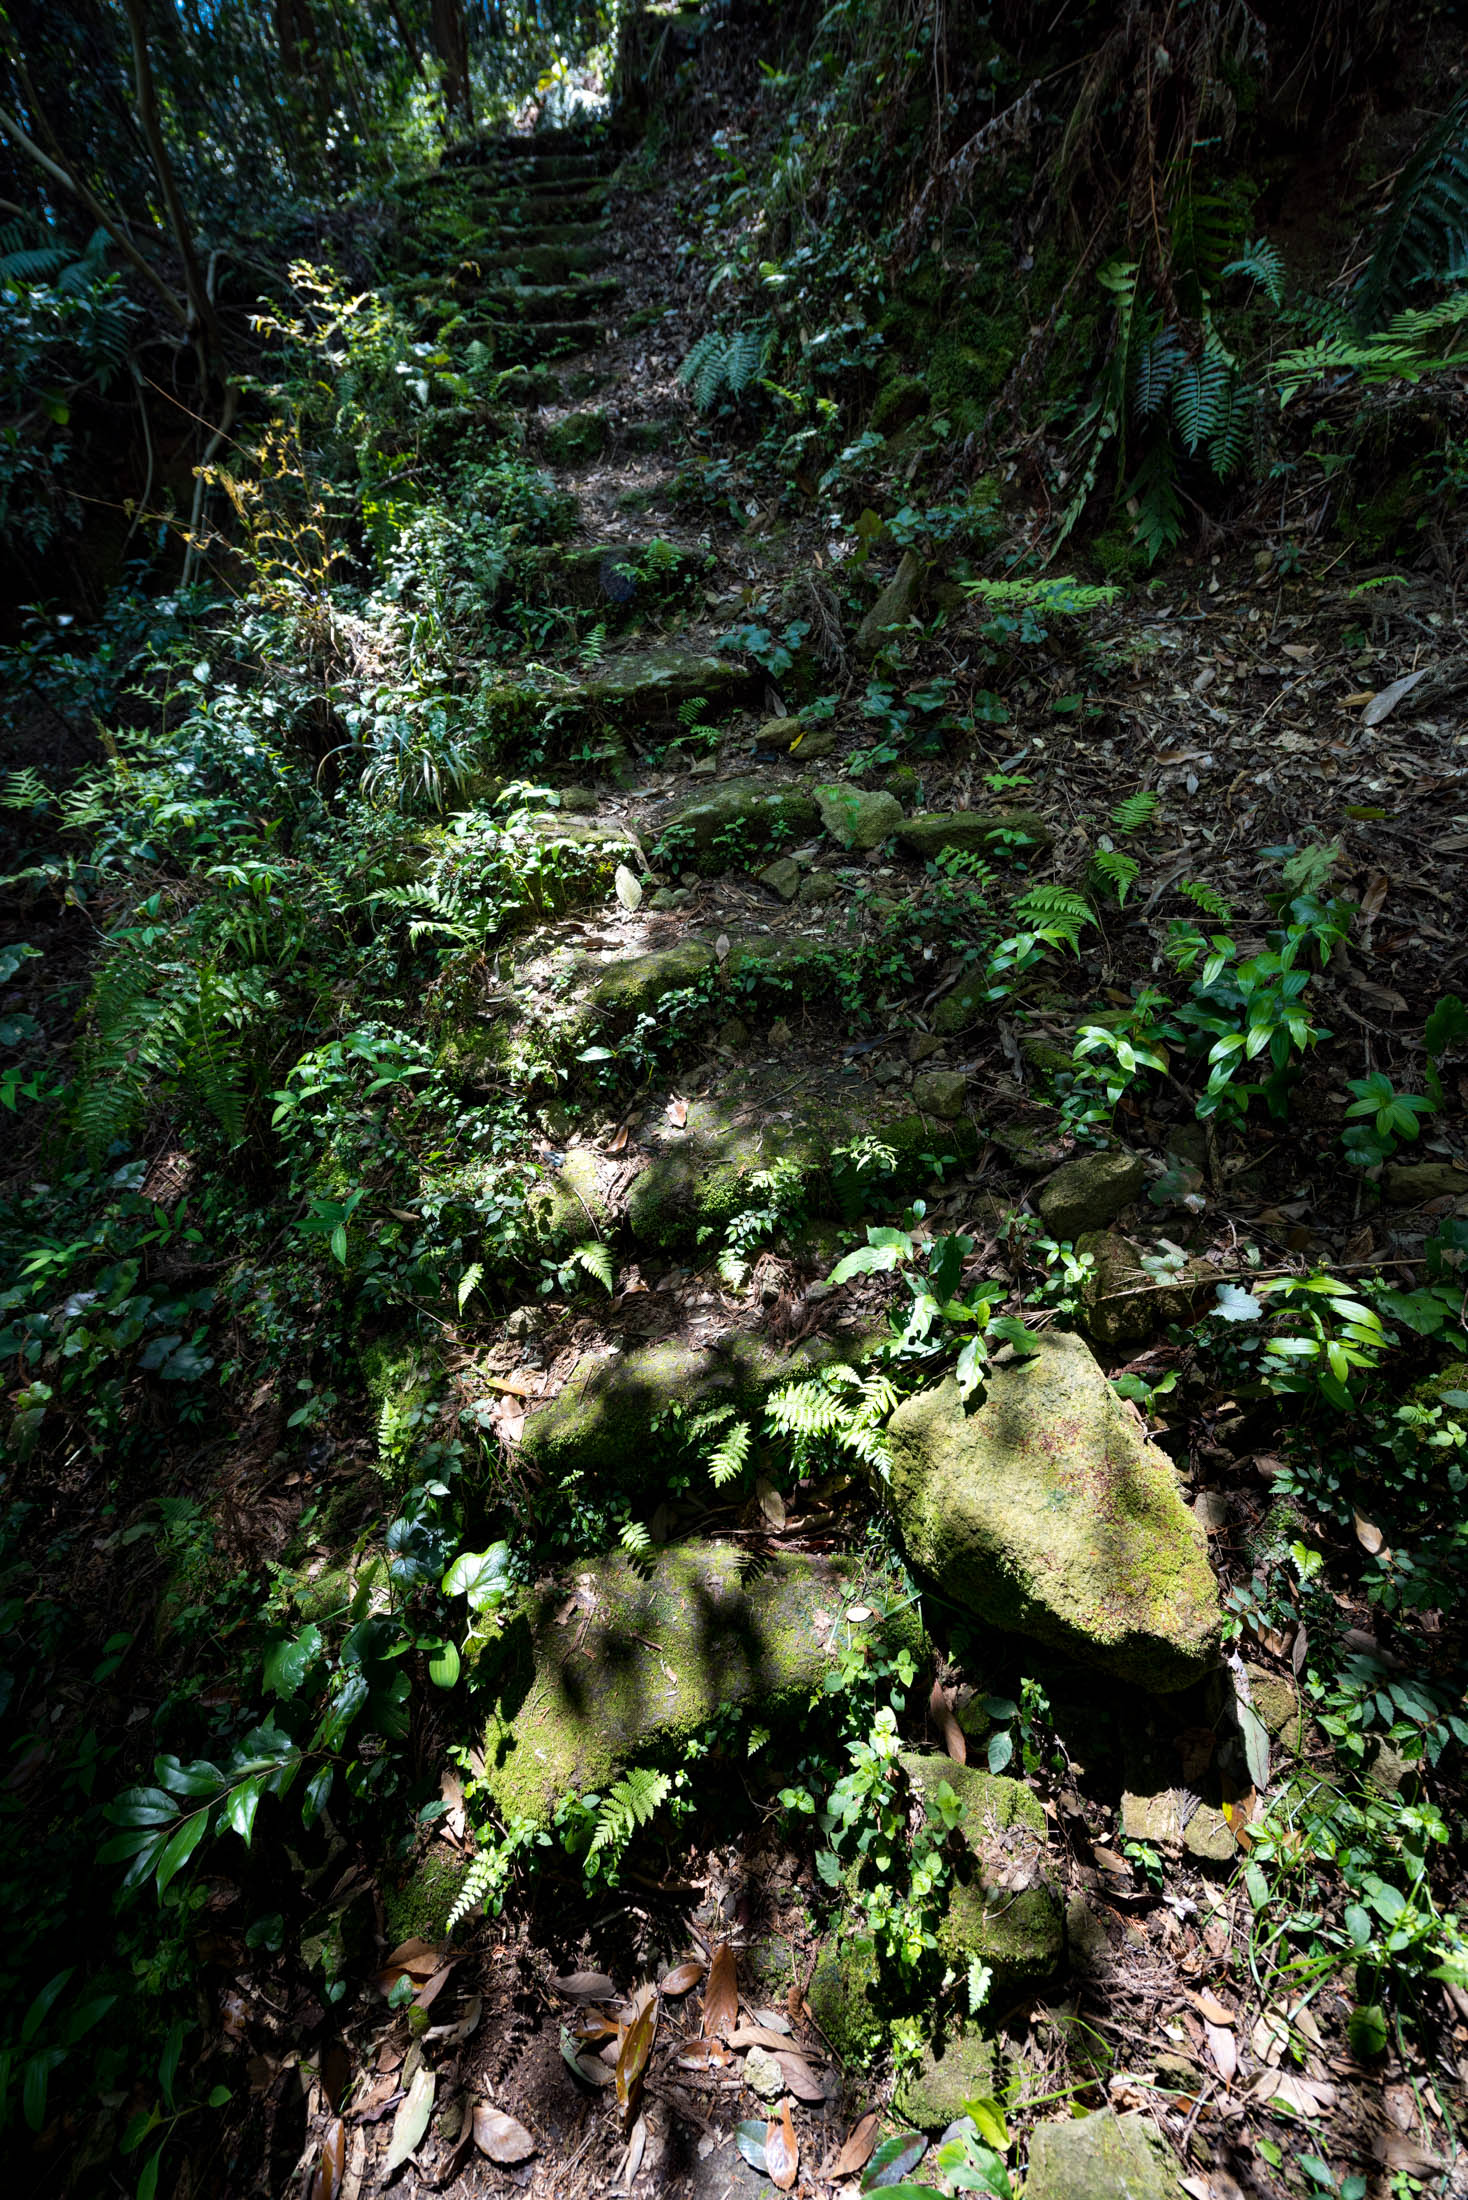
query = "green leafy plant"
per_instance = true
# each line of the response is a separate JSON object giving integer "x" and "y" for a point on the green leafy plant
{"x": 939, "y": 1308}
{"x": 1386, "y": 1119}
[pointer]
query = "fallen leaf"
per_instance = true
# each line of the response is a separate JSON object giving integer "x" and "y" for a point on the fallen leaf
{"x": 1270, "y": 2037}
{"x": 682, "y": 1978}
{"x": 636, "y": 2148}
{"x": 1223, "y": 2051}
{"x": 1210, "y": 2008}
{"x": 945, "y": 1725}
{"x": 721, "y": 946}
{"x": 584, "y": 1985}
{"x": 588, "y": 2067}
{"x": 678, "y": 1113}
{"x": 857, "y": 2151}
{"x": 1373, "y": 901}
{"x": 500, "y": 2136}
{"x": 410, "y": 2122}
{"x": 635, "y": 2050}
{"x": 772, "y": 2020}
{"x": 749, "y": 2137}
{"x": 758, "y": 2035}
{"x": 799, "y": 2076}
{"x": 413, "y": 1956}
{"x": 629, "y": 888}
{"x": 619, "y": 1142}
{"x": 465, "y": 2027}
{"x": 782, "y": 2151}
{"x": 592, "y": 2025}
{"x": 771, "y": 1503}
{"x": 1398, "y": 2152}
{"x": 1386, "y": 700}
{"x": 704, "y": 2055}
{"x": 1368, "y": 1535}
{"x": 372, "y": 2104}
{"x": 327, "y": 2178}
{"x": 431, "y": 1988}
{"x": 721, "y": 1995}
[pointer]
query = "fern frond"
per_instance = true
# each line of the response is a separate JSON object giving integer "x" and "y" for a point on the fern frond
{"x": 1054, "y": 908}
{"x": 469, "y": 1282}
{"x": 1156, "y": 371}
{"x": 1117, "y": 869}
{"x": 24, "y": 790}
{"x": 597, "y": 1262}
{"x": 1158, "y": 524}
{"x": 1136, "y": 811}
{"x": 1261, "y": 262}
{"x": 635, "y": 1537}
{"x": 1424, "y": 232}
{"x": 474, "y": 1887}
{"x": 628, "y": 1804}
{"x": 1199, "y": 397}
{"x": 730, "y": 1456}
{"x": 1206, "y": 898}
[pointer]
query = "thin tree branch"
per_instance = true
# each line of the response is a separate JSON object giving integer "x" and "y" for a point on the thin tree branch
{"x": 97, "y": 210}
{"x": 201, "y": 310}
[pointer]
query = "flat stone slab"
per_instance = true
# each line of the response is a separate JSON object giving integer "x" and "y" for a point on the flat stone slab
{"x": 985, "y": 832}
{"x": 716, "y": 827}
{"x": 1100, "y": 2157}
{"x": 1046, "y": 1511}
{"x": 624, "y": 1659}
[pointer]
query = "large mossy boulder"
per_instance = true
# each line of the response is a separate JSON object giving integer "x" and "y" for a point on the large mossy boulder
{"x": 1100, "y": 2157}
{"x": 717, "y": 828}
{"x": 627, "y": 1659}
{"x": 858, "y": 818}
{"x": 1047, "y": 1512}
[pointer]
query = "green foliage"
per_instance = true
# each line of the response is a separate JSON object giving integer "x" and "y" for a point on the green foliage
{"x": 1423, "y": 238}
{"x": 1391, "y": 1118}
{"x": 939, "y": 1309}
{"x": 724, "y": 364}
{"x": 629, "y": 1803}
{"x": 1418, "y": 342}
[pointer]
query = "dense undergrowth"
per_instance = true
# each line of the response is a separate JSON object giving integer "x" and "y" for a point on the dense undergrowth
{"x": 276, "y": 1170}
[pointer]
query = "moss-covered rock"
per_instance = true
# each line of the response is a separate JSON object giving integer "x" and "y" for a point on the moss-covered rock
{"x": 952, "y": 2071}
{"x": 610, "y": 1414}
{"x": 716, "y": 828}
{"x": 635, "y": 986}
{"x": 400, "y": 1377}
{"x": 417, "y": 1905}
{"x": 1121, "y": 1302}
{"x": 893, "y": 608}
{"x": 855, "y": 819}
{"x": 1047, "y": 1512}
{"x": 1100, "y": 2157}
{"x": 629, "y": 1659}
{"x": 844, "y": 1997}
{"x": 987, "y": 832}
{"x": 1019, "y": 1931}
{"x": 1088, "y": 1192}
{"x": 575, "y": 439}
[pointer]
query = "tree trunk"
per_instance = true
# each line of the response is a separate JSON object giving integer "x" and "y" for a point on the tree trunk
{"x": 450, "y": 35}
{"x": 201, "y": 307}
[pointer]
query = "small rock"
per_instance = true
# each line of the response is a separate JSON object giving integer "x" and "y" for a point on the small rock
{"x": 1085, "y": 1937}
{"x": 525, "y": 1321}
{"x": 1211, "y": 1510}
{"x": 732, "y": 1035}
{"x": 1100, "y": 2157}
{"x": 1410, "y": 1183}
{"x": 780, "y": 1034}
{"x": 1090, "y": 1191}
{"x": 988, "y": 831}
{"x": 762, "y": 2074}
{"x": 1155, "y": 1819}
{"x": 782, "y": 877}
{"x": 922, "y": 1046}
{"x": 669, "y": 897}
{"x": 1207, "y": 1837}
{"x": 820, "y": 887}
{"x": 857, "y": 820}
{"x": 888, "y": 1073}
{"x": 960, "y": 1008}
{"x": 940, "y": 1092}
{"x": 933, "y": 2095}
{"x": 579, "y": 801}
{"x": 815, "y": 742}
{"x": 892, "y": 608}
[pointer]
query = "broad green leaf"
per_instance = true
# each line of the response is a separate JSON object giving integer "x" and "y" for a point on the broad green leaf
{"x": 238, "y": 1814}
{"x": 180, "y": 1848}
{"x": 37, "y": 2079}
{"x": 40, "y": 2008}
{"x": 443, "y": 1665}
{"x": 892, "y": 2161}
{"x": 481, "y": 1576}
{"x": 142, "y": 1807}
{"x": 287, "y": 1662}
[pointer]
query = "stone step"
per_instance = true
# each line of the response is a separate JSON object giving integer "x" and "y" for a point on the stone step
{"x": 519, "y": 169}
{"x": 533, "y": 236}
{"x": 514, "y": 145}
{"x": 522, "y": 343}
{"x": 538, "y": 203}
{"x": 617, "y": 581}
{"x": 547, "y": 263}
{"x": 545, "y": 301}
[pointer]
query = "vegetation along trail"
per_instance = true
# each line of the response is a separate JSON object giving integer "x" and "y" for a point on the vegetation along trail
{"x": 734, "y": 1220}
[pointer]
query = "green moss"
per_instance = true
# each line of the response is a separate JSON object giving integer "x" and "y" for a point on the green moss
{"x": 418, "y": 1906}
{"x": 630, "y": 1659}
{"x": 900, "y": 399}
{"x": 580, "y": 436}
{"x": 1019, "y": 1934}
{"x": 844, "y": 1999}
{"x": 952, "y": 2071}
{"x": 722, "y": 823}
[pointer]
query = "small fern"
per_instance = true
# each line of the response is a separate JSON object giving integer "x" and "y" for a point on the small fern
{"x": 1136, "y": 811}
{"x": 730, "y": 1456}
{"x": 469, "y": 1282}
{"x": 628, "y": 1804}
{"x": 1051, "y": 908}
{"x": 1204, "y": 897}
{"x": 1113, "y": 868}
{"x": 720, "y": 365}
{"x": 635, "y": 1538}
{"x": 476, "y": 1884}
{"x": 1424, "y": 232}
{"x": 597, "y": 1262}
{"x": 1262, "y": 264}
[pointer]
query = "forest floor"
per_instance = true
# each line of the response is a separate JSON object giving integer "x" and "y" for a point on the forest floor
{"x": 1269, "y": 711}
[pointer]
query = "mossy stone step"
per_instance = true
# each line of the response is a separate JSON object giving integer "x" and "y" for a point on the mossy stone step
{"x": 494, "y": 147}
{"x": 626, "y": 1659}
{"x": 532, "y": 202}
{"x": 576, "y": 439}
{"x": 612, "y": 579}
{"x": 546, "y": 301}
{"x": 547, "y": 262}
{"x": 984, "y": 832}
{"x": 710, "y": 829}
{"x": 701, "y": 1177}
{"x": 521, "y": 343}
{"x": 644, "y": 689}
{"x": 519, "y": 169}
{"x": 526, "y": 385}
{"x": 609, "y": 1414}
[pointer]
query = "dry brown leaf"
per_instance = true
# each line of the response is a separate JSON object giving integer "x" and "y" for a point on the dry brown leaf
{"x": 432, "y": 1987}
{"x": 859, "y": 2148}
{"x": 945, "y": 1725}
{"x": 619, "y": 1140}
{"x": 593, "y": 2024}
{"x": 372, "y": 2104}
{"x": 799, "y": 2076}
{"x": 1385, "y": 702}
{"x": 678, "y": 1113}
{"x": 771, "y": 1503}
{"x": 416, "y": 1957}
{"x": 759, "y": 2035}
{"x": 721, "y": 946}
{"x": 635, "y": 2050}
{"x": 1270, "y": 2037}
{"x": 721, "y": 1995}
{"x": 584, "y": 1985}
{"x": 1223, "y": 2051}
{"x": 1368, "y": 1535}
{"x": 500, "y": 2136}
{"x": 782, "y": 2151}
{"x": 1374, "y": 899}
{"x": 772, "y": 2019}
{"x": 636, "y": 2148}
{"x": 704, "y": 2055}
{"x": 1210, "y": 2008}
{"x": 327, "y": 2178}
{"x": 682, "y": 1978}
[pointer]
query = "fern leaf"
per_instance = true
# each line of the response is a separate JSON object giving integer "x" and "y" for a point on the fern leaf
{"x": 1117, "y": 869}
{"x": 1158, "y": 525}
{"x": 628, "y": 1804}
{"x": 1136, "y": 811}
{"x": 1156, "y": 371}
{"x": 730, "y": 1455}
{"x": 1424, "y": 232}
{"x": 1198, "y": 399}
{"x": 1056, "y": 908}
{"x": 635, "y": 1537}
{"x": 597, "y": 1262}
{"x": 1262, "y": 264}
{"x": 469, "y": 1282}
{"x": 1205, "y": 898}
{"x": 474, "y": 1887}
